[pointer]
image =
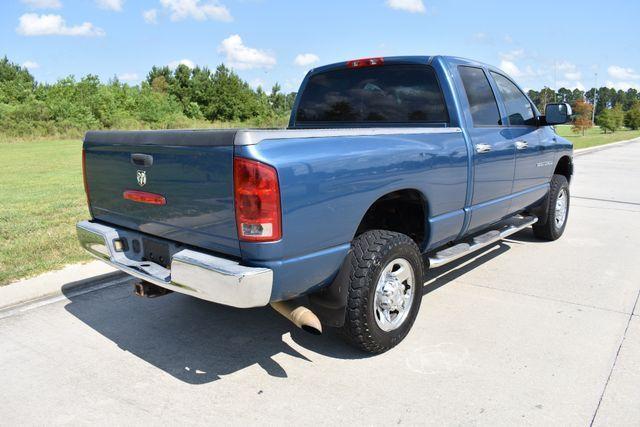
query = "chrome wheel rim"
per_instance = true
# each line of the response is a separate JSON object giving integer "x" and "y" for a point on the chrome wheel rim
{"x": 561, "y": 208}
{"x": 394, "y": 295}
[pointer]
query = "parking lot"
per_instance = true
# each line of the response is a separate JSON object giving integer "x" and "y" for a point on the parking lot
{"x": 525, "y": 332}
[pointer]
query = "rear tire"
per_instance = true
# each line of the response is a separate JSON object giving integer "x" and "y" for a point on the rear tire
{"x": 552, "y": 226}
{"x": 384, "y": 290}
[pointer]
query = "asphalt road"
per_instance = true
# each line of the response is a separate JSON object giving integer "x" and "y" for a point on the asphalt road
{"x": 526, "y": 332}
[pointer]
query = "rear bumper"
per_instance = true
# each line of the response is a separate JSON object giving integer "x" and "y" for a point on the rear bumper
{"x": 191, "y": 272}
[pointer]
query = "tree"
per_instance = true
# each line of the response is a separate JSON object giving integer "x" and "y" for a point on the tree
{"x": 160, "y": 71}
{"x": 16, "y": 83}
{"x": 277, "y": 99}
{"x": 582, "y": 121}
{"x": 610, "y": 119}
{"x": 632, "y": 117}
{"x": 631, "y": 98}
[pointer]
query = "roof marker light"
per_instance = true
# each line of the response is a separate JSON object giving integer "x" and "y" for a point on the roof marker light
{"x": 365, "y": 62}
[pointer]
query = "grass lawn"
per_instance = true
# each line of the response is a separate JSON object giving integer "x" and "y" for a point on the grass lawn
{"x": 42, "y": 197}
{"x": 594, "y": 136}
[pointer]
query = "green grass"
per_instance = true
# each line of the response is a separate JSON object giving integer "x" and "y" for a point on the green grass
{"x": 595, "y": 136}
{"x": 41, "y": 199}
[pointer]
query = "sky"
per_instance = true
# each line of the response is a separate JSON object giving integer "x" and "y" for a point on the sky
{"x": 542, "y": 43}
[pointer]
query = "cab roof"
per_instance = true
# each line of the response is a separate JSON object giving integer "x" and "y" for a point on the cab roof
{"x": 411, "y": 59}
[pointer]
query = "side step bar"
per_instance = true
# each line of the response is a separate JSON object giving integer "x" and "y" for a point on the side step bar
{"x": 511, "y": 226}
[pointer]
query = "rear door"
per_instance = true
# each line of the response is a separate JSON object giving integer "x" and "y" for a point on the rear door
{"x": 494, "y": 152}
{"x": 534, "y": 159}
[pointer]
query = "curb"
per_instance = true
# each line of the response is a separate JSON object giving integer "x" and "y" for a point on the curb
{"x": 583, "y": 151}
{"x": 52, "y": 283}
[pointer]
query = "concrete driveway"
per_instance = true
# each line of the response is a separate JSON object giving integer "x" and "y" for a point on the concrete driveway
{"x": 527, "y": 332}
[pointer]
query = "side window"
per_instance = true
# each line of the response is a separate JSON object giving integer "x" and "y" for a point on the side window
{"x": 484, "y": 108}
{"x": 517, "y": 105}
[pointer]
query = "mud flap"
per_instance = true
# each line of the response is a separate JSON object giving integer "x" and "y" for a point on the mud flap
{"x": 330, "y": 303}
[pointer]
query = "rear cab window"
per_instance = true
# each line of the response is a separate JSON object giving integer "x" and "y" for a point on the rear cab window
{"x": 391, "y": 94}
{"x": 482, "y": 101}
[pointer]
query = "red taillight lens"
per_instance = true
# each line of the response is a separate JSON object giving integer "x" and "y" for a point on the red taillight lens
{"x": 257, "y": 198}
{"x": 84, "y": 178}
{"x": 144, "y": 197}
{"x": 365, "y": 62}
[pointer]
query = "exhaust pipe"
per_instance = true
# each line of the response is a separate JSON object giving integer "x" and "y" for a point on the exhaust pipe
{"x": 299, "y": 315}
{"x": 149, "y": 290}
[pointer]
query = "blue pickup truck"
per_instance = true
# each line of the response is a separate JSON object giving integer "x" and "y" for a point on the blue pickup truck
{"x": 389, "y": 166}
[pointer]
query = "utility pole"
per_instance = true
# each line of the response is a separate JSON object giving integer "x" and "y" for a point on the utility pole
{"x": 595, "y": 100}
{"x": 555, "y": 81}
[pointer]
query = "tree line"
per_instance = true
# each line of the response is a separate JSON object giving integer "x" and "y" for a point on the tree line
{"x": 178, "y": 98}
{"x": 200, "y": 97}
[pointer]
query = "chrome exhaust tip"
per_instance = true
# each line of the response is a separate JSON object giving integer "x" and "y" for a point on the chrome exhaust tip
{"x": 299, "y": 315}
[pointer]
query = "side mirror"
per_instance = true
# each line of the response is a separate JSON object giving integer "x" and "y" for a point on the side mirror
{"x": 557, "y": 114}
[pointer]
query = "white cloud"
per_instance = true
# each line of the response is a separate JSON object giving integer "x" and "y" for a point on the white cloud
{"x": 622, "y": 73}
{"x": 569, "y": 71}
{"x": 201, "y": 11}
{"x": 242, "y": 57}
{"x": 570, "y": 84}
{"x": 305, "y": 59}
{"x": 128, "y": 77}
{"x": 622, "y": 85}
{"x": 481, "y": 37}
{"x": 150, "y": 16}
{"x": 512, "y": 55}
{"x": 43, "y": 4}
{"x": 508, "y": 39}
{"x": 174, "y": 64}
{"x": 510, "y": 68}
{"x": 412, "y": 6}
{"x": 115, "y": 5}
{"x": 30, "y": 65}
{"x": 573, "y": 75}
{"x": 32, "y": 24}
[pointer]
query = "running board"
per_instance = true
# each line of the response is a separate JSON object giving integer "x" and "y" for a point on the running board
{"x": 511, "y": 226}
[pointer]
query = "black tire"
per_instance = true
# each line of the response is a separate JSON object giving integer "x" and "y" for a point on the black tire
{"x": 547, "y": 228}
{"x": 371, "y": 253}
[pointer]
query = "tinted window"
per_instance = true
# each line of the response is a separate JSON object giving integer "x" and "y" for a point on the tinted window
{"x": 517, "y": 105}
{"x": 482, "y": 102}
{"x": 383, "y": 94}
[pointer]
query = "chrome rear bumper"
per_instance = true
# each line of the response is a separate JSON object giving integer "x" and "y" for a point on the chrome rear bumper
{"x": 191, "y": 272}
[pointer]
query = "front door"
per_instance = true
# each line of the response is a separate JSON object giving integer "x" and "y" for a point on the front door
{"x": 534, "y": 157}
{"x": 494, "y": 152}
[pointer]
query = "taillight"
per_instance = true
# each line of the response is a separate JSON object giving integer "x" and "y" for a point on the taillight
{"x": 144, "y": 197}
{"x": 365, "y": 62}
{"x": 84, "y": 178}
{"x": 257, "y": 199}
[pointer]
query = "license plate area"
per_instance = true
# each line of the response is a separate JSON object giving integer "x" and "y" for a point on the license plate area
{"x": 157, "y": 252}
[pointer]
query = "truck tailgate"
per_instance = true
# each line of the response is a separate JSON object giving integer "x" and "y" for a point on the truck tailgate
{"x": 192, "y": 170}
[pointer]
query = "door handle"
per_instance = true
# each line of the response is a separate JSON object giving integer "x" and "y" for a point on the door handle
{"x": 483, "y": 148}
{"x": 522, "y": 145}
{"x": 141, "y": 159}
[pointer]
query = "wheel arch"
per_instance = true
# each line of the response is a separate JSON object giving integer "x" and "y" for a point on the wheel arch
{"x": 404, "y": 211}
{"x": 564, "y": 166}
